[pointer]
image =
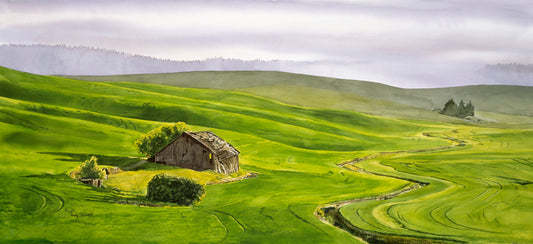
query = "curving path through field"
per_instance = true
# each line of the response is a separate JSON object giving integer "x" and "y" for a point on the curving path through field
{"x": 331, "y": 213}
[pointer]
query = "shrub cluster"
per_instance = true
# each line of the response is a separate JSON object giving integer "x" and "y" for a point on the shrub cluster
{"x": 178, "y": 190}
{"x": 461, "y": 111}
{"x": 89, "y": 170}
{"x": 152, "y": 142}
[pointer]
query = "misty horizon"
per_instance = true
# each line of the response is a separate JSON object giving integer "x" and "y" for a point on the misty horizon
{"x": 407, "y": 43}
{"x": 34, "y": 59}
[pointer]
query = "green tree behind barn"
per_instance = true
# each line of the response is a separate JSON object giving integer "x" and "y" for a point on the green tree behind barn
{"x": 153, "y": 141}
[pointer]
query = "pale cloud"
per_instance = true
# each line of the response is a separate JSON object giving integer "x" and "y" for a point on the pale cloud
{"x": 405, "y": 42}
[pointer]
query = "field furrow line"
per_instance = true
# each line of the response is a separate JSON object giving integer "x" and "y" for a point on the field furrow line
{"x": 466, "y": 227}
{"x": 304, "y": 220}
{"x": 234, "y": 220}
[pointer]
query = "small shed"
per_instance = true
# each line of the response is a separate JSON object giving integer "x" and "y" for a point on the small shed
{"x": 200, "y": 151}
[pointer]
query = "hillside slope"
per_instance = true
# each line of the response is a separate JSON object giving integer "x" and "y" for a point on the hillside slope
{"x": 489, "y": 98}
{"x": 49, "y": 125}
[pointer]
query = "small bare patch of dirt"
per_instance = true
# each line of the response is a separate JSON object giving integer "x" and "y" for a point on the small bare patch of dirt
{"x": 242, "y": 177}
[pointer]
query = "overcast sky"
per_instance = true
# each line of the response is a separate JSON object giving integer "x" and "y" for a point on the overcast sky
{"x": 406, "y": 43}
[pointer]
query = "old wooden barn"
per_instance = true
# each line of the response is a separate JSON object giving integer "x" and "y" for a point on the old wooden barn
{"x": 200, "y": 151}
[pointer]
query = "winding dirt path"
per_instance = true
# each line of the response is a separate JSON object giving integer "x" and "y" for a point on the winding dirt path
{"x": 330, "y": 213}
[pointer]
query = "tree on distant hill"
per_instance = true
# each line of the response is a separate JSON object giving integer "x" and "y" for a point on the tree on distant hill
{"x": 469, "y": 110}
{"x": 450, "y": 108}
{"x": 153, "y": 141}
{"x": 460, "y": 111}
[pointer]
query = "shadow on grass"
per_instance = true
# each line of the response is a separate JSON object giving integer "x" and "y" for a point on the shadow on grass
{"x": 124, "y": 163}
{"x": 99, "y": 194}
{"x": 47, "y": 185}
{"x": 30, "y": 240}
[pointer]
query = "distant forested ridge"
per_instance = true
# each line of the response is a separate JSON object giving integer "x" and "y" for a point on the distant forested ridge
{"x": 509, "y": 72}
{"x": 511, "y": 67}
{"x": 80, "y": 60}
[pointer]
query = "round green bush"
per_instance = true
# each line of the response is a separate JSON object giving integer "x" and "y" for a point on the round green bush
{"x": 183, "y": 191}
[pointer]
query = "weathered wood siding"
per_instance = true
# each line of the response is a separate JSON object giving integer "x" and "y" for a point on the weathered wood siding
{"x": 186, "y": 152}
{"x": 228, "y": 165}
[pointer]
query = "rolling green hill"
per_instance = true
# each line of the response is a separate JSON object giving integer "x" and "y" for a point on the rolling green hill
{"x": 500, "y": 99}
{"x": 49, "y": 125}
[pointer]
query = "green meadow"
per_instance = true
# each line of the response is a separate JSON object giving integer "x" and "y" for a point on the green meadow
{"x": 361, "y": 96}
{"x": 478, "y": 191}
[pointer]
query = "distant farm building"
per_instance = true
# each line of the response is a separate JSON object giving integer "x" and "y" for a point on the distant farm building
{"x": 200, "y": 151}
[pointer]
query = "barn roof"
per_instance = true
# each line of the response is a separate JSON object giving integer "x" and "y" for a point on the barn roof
{"x": 221, "y": 148}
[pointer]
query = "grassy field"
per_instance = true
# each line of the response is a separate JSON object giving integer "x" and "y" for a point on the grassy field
{"x": 499, "y": 99}
{"x": 49, "y": 125}
{"x": 480, "y": 193}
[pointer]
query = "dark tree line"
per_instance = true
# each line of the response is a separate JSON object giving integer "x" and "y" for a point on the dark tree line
{"x": 461, "y": 111}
